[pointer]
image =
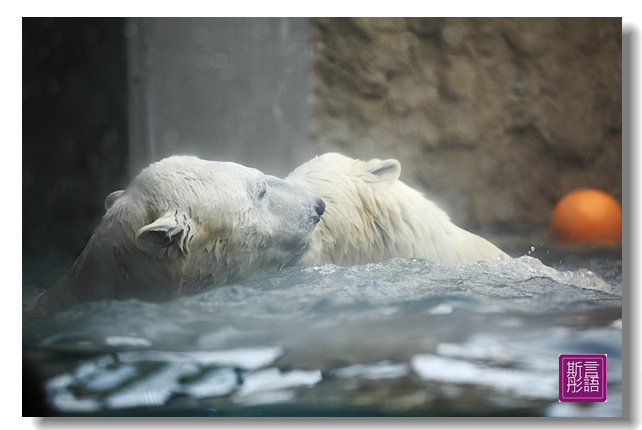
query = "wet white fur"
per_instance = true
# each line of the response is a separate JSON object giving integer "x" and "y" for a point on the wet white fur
{"x": 372, "y": 216}
{"x": 186, "y": 223}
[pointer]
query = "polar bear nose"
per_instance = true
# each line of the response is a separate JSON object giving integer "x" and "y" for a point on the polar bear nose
{"x": 320, "y": 206}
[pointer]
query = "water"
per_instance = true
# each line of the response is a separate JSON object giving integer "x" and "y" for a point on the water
{"x": 400, "y": 338}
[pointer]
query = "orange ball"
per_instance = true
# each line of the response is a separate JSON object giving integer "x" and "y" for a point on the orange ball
{"x": 587, "y": 215}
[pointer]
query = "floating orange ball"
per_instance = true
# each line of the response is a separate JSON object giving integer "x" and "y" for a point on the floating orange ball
{"x": 587, "y": 215}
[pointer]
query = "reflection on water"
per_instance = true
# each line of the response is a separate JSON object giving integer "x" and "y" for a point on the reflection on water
{"x": 404, "y": 337}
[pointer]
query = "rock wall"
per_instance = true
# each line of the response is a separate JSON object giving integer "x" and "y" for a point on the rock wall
{"x": 495, "y": 119}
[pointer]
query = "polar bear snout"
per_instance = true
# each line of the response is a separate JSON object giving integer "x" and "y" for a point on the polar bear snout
{"x": 318, "y": 208}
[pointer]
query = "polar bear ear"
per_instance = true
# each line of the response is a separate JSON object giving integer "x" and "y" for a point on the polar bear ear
{"x": 384, "y": 170}
{"x": 172, "y": 233}
{"x": 111, "y": 199}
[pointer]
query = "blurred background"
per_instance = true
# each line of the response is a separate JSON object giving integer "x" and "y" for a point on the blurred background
{"x": 495, "y": 119}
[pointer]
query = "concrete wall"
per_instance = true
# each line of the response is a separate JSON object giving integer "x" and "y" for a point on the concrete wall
{"x": 232, "y": 89}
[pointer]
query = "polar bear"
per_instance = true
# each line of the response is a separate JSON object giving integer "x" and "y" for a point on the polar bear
{"x": 372, "y": 216}
{"x": 184, "y": 223}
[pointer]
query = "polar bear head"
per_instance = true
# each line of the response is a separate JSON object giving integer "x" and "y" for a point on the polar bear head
{"x": 362, "y": 209}
{"x": 186, "y": 223}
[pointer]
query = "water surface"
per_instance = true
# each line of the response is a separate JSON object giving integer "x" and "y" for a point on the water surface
{"x": 400, "y": 338}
